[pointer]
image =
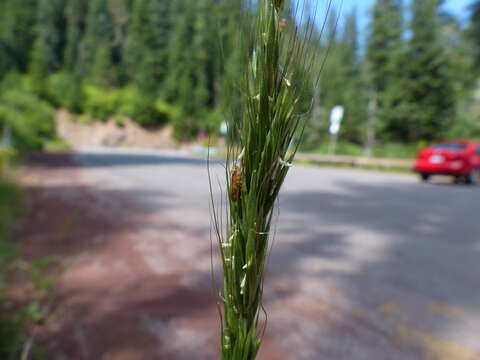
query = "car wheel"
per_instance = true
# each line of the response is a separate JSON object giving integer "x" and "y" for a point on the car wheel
{"x": 474, "y": 177}
{"x": 425, "y": 177}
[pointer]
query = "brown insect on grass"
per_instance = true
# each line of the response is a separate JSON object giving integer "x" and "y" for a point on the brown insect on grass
{"x": 236, "y": 183}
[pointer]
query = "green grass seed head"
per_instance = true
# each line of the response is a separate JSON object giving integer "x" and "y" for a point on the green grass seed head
{"x": 279, "y": 5}
{"x": 260, "y": 155}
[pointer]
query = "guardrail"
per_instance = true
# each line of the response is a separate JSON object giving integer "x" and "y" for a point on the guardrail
{"x": 355, "y": 161}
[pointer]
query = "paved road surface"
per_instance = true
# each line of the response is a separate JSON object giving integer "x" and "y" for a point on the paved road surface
{"x": 366, "y": 266}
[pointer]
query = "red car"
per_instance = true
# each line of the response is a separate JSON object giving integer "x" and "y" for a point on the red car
{"x": 459, "y": 158}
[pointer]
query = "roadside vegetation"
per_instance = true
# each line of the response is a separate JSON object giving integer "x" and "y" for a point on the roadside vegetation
{"x": 11, "y": 331}
{"x": 389, "y": 150}
{"x": 17, "y": 319}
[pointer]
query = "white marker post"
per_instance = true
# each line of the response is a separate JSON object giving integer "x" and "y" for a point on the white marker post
{"x": 223, "y": 128}
{"x": 7, "y": 142}
{"x": 6, "y": 145}
{"x": 336, "y": 117}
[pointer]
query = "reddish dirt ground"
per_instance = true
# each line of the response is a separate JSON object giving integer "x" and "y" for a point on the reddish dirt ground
{"x": 106, "y": 303}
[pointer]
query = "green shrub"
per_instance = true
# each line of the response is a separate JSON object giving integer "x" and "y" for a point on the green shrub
{"x": 398, "y": 150}
{"x": 185, "y": 127}
{"x": 14, "y": 325}
{"x": 142, "y": 109}
{"x": 147, "y": 114}
{"x": 11, "y": 337}
{"x": 381, "y": 150}
{"x": 65, "y": 90}
{"x": 10, "y": 200}
{"x": 166, "y": 113}
{"x": 7, "y": 61}
{"x": 15, "y": 81}
{"x": 58, "y": 85}
{"x": 103, "y": 103}
{"x": 31, "y": 119}
{"x": 212, "y": 121}
{"x": 56, "y": 144}
{"x": 342, "y": 148}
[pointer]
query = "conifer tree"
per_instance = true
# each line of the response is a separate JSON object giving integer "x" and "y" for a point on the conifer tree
{"x": 146, "y": 48}
{"x": 188, "y": 53}
{"x": 385, "y": 44}
{"x": 178, "y": 83}
{"x": 103, "y": 70}
{"x": 138, "y": 38}
{"x": 341, "y": 82}
{"x": 354, "y": 98}
{"x": 6, "y": 61}
{"x": 228, "y": 61}
{"x": 203, "y": 48}
{"x": 47, "y": 53}
{"x": 18, "y": 20}
{"x": 160, "y": 22}
{"x": 385, "y": 64}
{"x": 96, "y": 47}
{"x": 51, "y": 32}
{"x": 75, "y": 12}
{"x": 473, "y": 32}
{"x": 332, "y": 77}
{"x": 190, "y": 82}
{"x": 429, "y": 93}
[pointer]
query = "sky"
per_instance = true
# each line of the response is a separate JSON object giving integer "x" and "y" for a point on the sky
{"x": 458, "y": 7}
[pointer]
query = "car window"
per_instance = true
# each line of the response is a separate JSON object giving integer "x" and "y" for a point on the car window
{"x": 478, "y": 150}
{"x": 449, "y": 146}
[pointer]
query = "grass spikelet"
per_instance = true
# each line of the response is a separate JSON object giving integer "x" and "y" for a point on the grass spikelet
{"x": 260, "y": 154}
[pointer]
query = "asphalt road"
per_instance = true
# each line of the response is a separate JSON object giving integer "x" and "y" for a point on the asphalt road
{"x": 365, "y": 265}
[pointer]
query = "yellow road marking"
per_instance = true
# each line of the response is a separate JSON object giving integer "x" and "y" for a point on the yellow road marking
{"x": 445, "y": 309}
{"x": 439, "y": 348}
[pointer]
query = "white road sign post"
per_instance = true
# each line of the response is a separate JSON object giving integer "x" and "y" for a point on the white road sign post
{"x": 223, "y": 128}
{"x": 336, "y": 117}
{"x": 6, "y": 144}
{"x": 7, "y": 137}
